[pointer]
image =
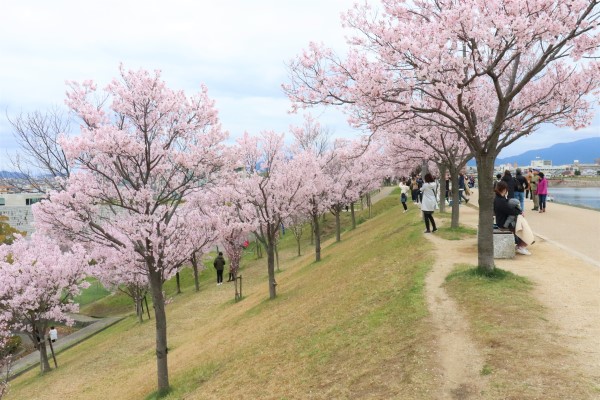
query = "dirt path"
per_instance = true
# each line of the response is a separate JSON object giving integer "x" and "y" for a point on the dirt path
{"x": 460, "y": 359}
{"x": 567, "y": 284}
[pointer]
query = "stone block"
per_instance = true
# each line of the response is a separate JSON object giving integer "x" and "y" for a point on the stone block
{"x": 504, "y": 244}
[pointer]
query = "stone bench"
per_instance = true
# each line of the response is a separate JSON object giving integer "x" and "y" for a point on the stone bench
{"x": 504, "y": 244}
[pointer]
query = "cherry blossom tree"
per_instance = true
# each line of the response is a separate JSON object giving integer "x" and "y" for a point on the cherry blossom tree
{"x": 5, "y": 356}
{"x": 236, "y": 220}
{"x": 275, "y": 185}
{"x": 118, "y": 274}
{"x": 313, "y": 139}
{"x": 296, "y": 223}
{"x": 431, "y": 142}
{"x": 138, "y": 163}
{"x": 490, "y": 71}
{"x": 37, "y": 284}
{"x": 354, "y": 169}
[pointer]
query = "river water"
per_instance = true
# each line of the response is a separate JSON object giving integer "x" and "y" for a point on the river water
{"x": 587, "y": 197}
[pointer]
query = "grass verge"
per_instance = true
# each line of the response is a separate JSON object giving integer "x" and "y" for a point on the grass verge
{"x": 462, "y": 232}
{"x": 522, "y": 357}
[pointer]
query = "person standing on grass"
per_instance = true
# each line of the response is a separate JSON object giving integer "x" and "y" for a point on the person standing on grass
{"x": 404, "y": 194}
{"x": 219, "y": 265}
{"x": 520, "y": 187}
{"x": 535, "y": 178}
{"x": 502, "y": 210}
{"x": 429, "y": 204}
{"x": 542, "y": 191}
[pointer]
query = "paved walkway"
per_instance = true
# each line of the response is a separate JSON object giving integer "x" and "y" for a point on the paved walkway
{"x": 573, "y": 229}
{"x": 32, "y": 360}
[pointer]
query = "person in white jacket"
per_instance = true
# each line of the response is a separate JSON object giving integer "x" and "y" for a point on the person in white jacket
{"x": 404, "y": 193}
{"x": 429, "y": 204}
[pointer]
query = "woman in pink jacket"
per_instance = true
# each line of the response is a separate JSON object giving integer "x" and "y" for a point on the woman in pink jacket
{"x": 542, "y": 191}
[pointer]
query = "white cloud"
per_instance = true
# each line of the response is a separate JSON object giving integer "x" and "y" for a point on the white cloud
{"x": 238, "y": 48}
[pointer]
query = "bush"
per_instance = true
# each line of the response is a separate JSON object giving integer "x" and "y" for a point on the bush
{"x": 13, "y": 345}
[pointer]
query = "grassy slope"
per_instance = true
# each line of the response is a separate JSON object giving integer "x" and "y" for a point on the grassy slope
{"x": 354, "y": 325}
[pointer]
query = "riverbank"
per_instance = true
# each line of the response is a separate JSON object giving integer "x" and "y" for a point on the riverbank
{"x": 591, "y": 182}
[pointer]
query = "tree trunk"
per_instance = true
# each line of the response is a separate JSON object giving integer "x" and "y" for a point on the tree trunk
{"x": 369, "y": 203}
{"x": 178, "y": 282}
{"x": 271, "y": 269}
{"x": 298, "y": 243}
{"x": 277, "y": 257}
{"x": 485, "y": 237}
{"x": 317, "y": 231}
{"x": 139, "y": 309}
{"x": 442, "y": 168}
{"x": 352, "y": 215}
{"x": 160, "y": 318}
{"x": 195, "y": 268}
{"x": 44, "y": 364}
{"x": 455, "y": 198}
{"x": 312, "y": 233}
{"x": 258, "y": 250}
{"x": 337, "y": 225}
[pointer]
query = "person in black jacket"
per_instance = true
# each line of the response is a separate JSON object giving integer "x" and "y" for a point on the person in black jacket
{"x": 521, "y": 186}
{"x": 502, "y": 211}
{"x": 219, "y": 265}
{"x": 508, "y": 178}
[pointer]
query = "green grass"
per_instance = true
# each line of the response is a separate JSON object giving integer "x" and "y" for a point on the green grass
{"x": 93, "y": 293}
{"x": 353, "y": 325}
{"x": 462, "y": 232}
{"x": 522, "y": 359}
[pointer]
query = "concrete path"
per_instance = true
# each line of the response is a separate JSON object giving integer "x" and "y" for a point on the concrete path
{"x": 573, "y": 229}
{"x": 32, "y": 360}
{"x": 384, "y": 191}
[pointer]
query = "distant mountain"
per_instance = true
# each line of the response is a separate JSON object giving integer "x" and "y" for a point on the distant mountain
{"x": 584, "y": 150}
{"x": 12, "y": 175}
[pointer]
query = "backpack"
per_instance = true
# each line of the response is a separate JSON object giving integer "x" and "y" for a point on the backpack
{"x": 519, "y": 185}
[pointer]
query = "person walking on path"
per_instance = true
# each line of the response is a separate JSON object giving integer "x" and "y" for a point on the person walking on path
{"x": 510, "y": 182}
{"x": 404, "y": 194}
{"x": 502, "y": 210}
{"x": 461, "y": 188}
{"x": 535, "y": 178}
{"x": 542, "y": 191}
{"x": 429, "y": 204}
{"x": 520, "y": 187}
{"x": 53, "y": 334}
{"x": 219, "y": 265}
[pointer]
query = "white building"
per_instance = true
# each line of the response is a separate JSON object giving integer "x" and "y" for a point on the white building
{"x": 17, "y": 207}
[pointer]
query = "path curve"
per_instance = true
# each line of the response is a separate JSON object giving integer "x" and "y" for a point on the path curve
{"x": 459, "y": 357}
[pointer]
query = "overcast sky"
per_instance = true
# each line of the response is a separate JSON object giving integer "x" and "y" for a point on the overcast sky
{"x": 238, "y": 48}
